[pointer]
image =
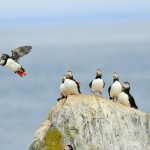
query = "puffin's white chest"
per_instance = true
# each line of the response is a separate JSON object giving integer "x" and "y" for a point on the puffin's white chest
{"x": 123, "y": 98}
{"x": 71, "y": 87}
{"x": 12, "y": 65}
{"x": 97, "y": 85}
{"x": 116, "y": 89}
{"x": 63, "y": 90}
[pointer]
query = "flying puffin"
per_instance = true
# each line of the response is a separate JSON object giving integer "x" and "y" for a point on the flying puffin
{"x": 68, "y": 147}
{"x": 116, "y": 88}
{"x": 73, "y": 87}
{"x": 125, "y": 97}
{"x": 12, "y": 62}
{"x": 97, "y": 84}
{"x": 63, "y": 90}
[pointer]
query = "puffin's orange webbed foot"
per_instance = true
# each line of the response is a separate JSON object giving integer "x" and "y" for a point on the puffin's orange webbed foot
{"x": 24, "y": 74}
{"x": 21, "y": 74}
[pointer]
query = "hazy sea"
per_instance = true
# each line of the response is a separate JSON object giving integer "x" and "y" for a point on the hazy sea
{"x": 26, "y": 102}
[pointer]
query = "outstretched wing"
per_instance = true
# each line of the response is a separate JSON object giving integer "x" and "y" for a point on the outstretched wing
{"x": 20, "y": 52}
{"x": 132, "y": 102}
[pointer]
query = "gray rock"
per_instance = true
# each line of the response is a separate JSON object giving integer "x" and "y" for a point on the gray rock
{"x": 93, "y": 123}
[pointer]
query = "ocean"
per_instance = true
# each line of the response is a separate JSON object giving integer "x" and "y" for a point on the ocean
{"x": 26, "y": 102}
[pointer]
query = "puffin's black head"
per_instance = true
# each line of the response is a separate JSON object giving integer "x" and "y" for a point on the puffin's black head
{"x": 126, "y": 86}
{"x": 5, "y": 57}
{"x": 68, "y": 147}
{"x": 69, "y": 75}
{"x": 98, "y": 72}
{"x": 115, "y": 76}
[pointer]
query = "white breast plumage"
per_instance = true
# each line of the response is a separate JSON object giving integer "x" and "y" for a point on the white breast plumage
{"x": 63, "y": 90}
{"x": 123, "y": 98}
{"x": 97, "y": 85}
{"x": 71, "y": 87}
{"x": 12, "y": 65}
{"x": 116, "y": 89}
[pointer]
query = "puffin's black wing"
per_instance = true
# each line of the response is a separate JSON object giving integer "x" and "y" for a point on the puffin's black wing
{"x": 109, "y": 91}
{"x": 132, "y": 102}
{"x": 77, "y": 85}
{"x": 20, "y": 52}
{"x": 90, "y": 84}
{"x": 104, "y": 84}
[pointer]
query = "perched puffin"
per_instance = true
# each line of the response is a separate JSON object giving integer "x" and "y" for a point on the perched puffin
{"x": 63, "y": 90}
{"x": 68, "y": 147}
{"x": 116, "y": 88}
{"x": 12, "y": 62}
{"x": 71, "y": 84}
{"x": 125, "y": 97}
{"x": 97, "y": 84}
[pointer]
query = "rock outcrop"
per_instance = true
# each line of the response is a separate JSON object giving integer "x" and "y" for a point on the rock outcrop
{"x": 93, "y": 123}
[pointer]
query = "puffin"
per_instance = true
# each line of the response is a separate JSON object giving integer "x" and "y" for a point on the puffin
{"x": 116, "y": 88}
{"x": 68, "y": 147}
{"x": 63, "y": 90}
{"x": 73, "y": 87}
{"x": 97, "y": 84}
{"x": 125, "y": 97}
{"x": 12, "y": 62}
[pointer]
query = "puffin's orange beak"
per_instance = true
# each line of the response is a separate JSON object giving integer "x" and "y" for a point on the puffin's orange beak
{"x": 63, "y": 148}
{"x": 96, "y": 73}
{"x": 113, "y": 75}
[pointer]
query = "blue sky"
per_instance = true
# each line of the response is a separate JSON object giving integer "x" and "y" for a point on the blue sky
{"x": 61, "y": 11}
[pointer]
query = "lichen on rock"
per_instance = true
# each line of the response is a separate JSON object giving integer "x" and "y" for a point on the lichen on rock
{"x": 53, "y": 140}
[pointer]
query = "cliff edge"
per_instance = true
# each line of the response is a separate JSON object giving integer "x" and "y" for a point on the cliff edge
{"x": 93, "y": 123}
